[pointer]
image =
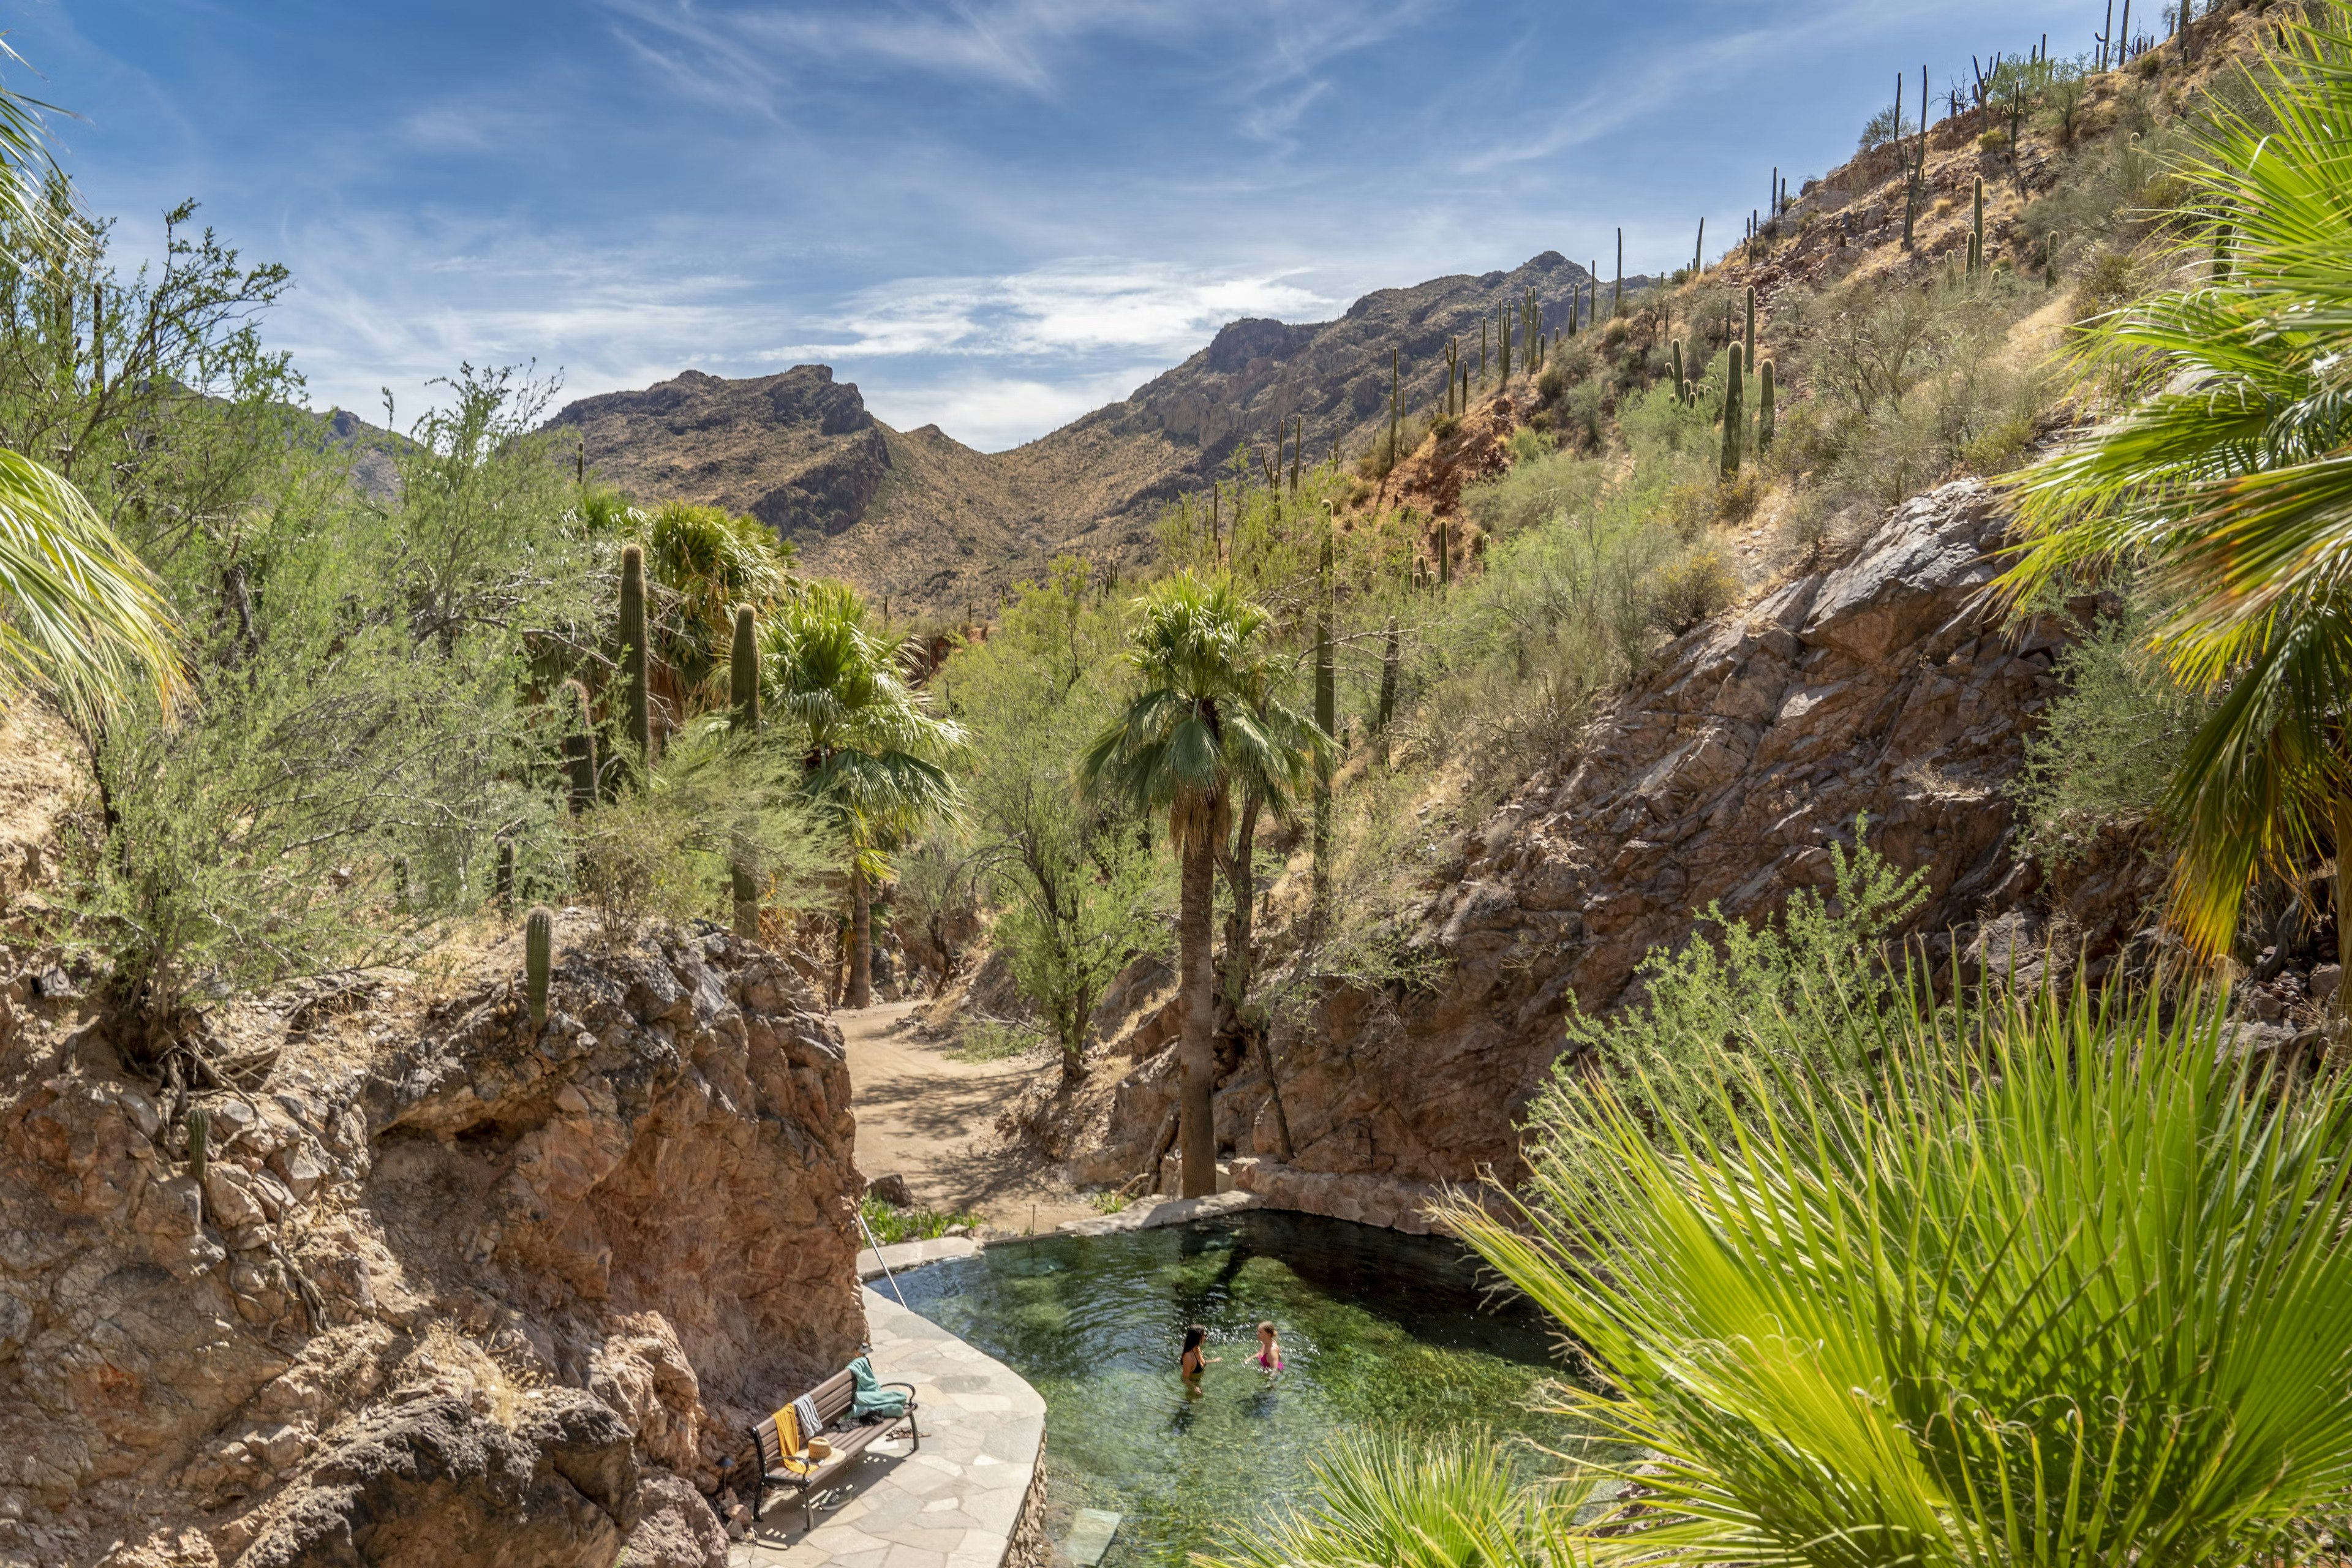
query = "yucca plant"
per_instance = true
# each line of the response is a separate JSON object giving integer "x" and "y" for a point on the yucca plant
{"x": 2061, "y": 1282}
{"x": 2230, "y": 486}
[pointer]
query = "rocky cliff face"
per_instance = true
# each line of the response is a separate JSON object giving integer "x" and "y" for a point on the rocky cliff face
{"x": 452, "y": 1289}
{"x": 1874, "y": 688}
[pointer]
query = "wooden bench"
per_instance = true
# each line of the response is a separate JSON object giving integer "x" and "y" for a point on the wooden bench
{"x": 831, "y": 1398}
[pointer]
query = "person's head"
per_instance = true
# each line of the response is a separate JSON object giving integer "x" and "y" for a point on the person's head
{"x": 1194, "y": 1336}
{"x": 1266, "y": 1330}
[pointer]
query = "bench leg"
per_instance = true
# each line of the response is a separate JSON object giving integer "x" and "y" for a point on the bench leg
{"x": 808, "y": 1511}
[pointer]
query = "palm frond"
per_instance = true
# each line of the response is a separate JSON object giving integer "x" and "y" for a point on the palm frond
{"x": 1202, "y": 725}
{"x": 79, "y": 613}
{"x": 2230, "y": 490}
{"x": 876, "y": 754}
{"x": 2061, "y": 1285}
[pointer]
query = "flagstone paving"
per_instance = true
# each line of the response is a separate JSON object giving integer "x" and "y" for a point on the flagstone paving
{"x": 955, "y": 1501}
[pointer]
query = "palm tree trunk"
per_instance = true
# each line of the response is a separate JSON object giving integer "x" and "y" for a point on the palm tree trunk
{"x": 1241, "y": 882}
{"x": 1196, "y": 1059}
{"x": 861, "y": 939}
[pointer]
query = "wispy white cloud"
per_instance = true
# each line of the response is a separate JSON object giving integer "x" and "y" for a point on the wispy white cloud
{"x": 1023, "y": 46}
{"x": 1082, "y": 306}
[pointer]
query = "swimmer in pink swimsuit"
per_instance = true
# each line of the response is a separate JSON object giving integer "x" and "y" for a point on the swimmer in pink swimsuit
{"x": 1269, "y": 1349}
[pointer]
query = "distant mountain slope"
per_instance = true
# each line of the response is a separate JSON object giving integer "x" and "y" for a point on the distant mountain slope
{"x": 934, "y": 524}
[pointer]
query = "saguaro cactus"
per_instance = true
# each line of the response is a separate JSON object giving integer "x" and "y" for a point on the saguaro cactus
{"x": 579, "y": 746}
{"x": 1390, "y": 654}
{"x": 502, "y": 888}
{"x": 632, "y": 652}
{"x": 743, "y": 672}
{"x": 1764, "y": 407}
{"x": 1976, "y": 233}
{"x": 1678, "y": 366}
{"x": 538, "y": 960}
{"x": 1751, "y": 324}
{"x": 1734, "y": 412}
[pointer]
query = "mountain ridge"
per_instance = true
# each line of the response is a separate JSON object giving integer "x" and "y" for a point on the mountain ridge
{"x": 930, "y": 523}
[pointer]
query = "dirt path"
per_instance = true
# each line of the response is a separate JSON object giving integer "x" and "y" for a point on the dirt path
{"x": 933, "y": 1120}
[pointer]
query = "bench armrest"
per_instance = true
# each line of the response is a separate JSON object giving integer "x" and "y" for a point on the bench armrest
{"x": 907, "y": 1386}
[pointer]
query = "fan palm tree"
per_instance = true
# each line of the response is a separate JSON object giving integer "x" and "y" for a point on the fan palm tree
{"x": 1204, "y": 727}
{"x": 2230, "y": 488}
{"x": 710, "y": 561}
{"x": 874, "y": 756}
{"x": 80, "y": 615}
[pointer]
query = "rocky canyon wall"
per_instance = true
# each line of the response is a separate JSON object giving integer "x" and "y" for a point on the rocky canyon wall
{"x": 453, "y": 1289}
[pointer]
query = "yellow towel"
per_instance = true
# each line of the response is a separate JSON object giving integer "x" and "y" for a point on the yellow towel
{"x": 788, "y": 1438}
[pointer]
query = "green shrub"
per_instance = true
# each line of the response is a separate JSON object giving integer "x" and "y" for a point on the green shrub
{"x": 2108, "y": 750}
{"x": 2109, "y": 280}
{"x": 1690, "y": 590}
{"x": 1908, "y": 386}
{"x": 892, "y": 1226}
{"x": 995, "y": 1040}
{"x": 1526, "y": 443}
{"x": 710, "y": 805}
{"x": 1532, "y": 491}
{"x": 1808, "y": 990}
{"x": 1509, "y": 664}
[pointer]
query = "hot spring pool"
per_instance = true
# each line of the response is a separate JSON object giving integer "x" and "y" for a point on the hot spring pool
{"x": 1380, "y": 1330}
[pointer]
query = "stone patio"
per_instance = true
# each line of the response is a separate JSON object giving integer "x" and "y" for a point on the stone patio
{"x": 953, "y": 1503}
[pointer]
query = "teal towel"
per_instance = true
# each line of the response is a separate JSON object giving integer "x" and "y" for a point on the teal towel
{"x": 871, "y": 1399}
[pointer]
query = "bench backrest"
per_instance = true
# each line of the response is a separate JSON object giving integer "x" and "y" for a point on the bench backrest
{"x": 831, "y": 1398}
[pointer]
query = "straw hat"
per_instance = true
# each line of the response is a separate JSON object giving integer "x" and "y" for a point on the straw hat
{"x": 819, "y": 1449}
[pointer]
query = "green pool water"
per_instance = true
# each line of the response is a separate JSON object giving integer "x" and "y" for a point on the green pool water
{"x": 1380, "y": 1330}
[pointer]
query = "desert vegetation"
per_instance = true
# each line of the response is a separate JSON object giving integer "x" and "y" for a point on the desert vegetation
{"x": 1871, "y": 1263}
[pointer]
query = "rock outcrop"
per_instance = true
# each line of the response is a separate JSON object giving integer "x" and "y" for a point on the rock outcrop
{"x": 451, "y": 1289}
{"x": 1874, "y": 689}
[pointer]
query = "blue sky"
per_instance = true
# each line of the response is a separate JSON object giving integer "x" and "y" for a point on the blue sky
{"x": 992, "y": 215}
